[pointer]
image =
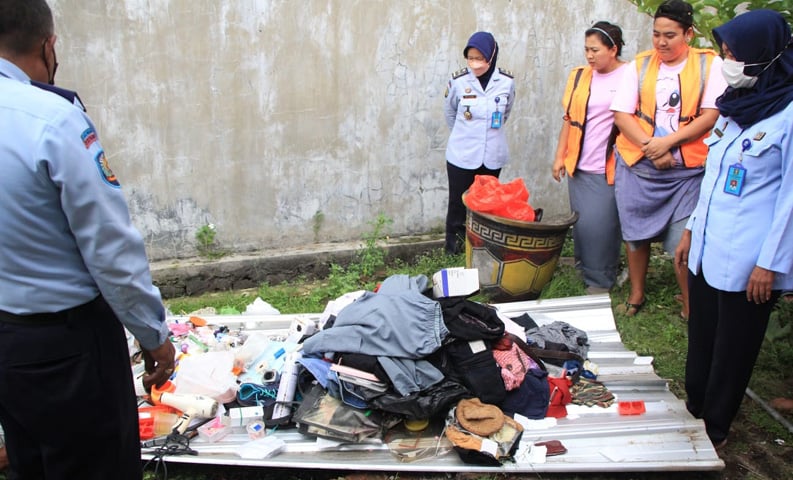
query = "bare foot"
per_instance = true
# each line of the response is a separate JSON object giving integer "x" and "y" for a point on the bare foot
{"x": 782, "y": 403}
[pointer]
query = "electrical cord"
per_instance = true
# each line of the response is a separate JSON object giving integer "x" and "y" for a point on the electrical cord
{"x": 175, "y": 444}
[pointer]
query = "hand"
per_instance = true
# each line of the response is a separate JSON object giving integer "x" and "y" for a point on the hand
{"x": 558, "y": 169}
{"x": 664, "y": 162}
{"x": 656, "y": 147}
{"x": 758, "y": 290}
{"x": 159, "y": 365}
{"x": 681, "y": 252}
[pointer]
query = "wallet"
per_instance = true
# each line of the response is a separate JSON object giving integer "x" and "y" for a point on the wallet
{"x": 554, "y": 447}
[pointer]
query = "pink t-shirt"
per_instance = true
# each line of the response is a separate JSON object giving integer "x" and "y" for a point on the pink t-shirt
{"x": 599, "y": 120}
{"x": 667, "y": 96}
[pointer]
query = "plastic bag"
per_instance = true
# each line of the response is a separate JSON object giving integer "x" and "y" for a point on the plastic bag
{"x": 509, "y": 200}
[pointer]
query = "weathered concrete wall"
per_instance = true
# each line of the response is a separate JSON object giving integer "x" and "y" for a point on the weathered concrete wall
{"x": 291, "y": 122}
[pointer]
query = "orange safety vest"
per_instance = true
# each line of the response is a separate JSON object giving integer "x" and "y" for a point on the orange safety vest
{"x": 692, "y": 87}
{"x": 577, "y": 95}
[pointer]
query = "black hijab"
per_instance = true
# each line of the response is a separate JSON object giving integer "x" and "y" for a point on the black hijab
{"x": 758, "y": 36}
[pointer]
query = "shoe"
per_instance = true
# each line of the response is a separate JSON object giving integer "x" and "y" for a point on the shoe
{"x": 630, "y": 309}
{"x": 719, "y": 445}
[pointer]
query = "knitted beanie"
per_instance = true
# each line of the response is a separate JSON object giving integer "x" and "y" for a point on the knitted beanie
{"x": 479, "y": 418}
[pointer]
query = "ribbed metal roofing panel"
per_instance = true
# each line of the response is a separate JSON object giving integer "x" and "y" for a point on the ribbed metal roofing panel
{"x": 665, "y": 438}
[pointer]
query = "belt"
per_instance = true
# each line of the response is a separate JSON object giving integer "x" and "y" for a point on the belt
{"x": 43, "y": 319}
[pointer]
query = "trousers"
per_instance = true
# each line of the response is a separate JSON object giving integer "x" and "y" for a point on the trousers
{"x": 460, "y": 179}
{"x": 725, "y": 333}
{"x": 67, "y": 401}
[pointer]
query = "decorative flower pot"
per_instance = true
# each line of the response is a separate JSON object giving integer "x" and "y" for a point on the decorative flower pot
{"x": 515, "y": 259}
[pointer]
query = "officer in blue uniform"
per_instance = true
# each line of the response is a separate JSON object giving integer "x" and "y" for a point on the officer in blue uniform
{"x": 73, "y": 274}
{"x": 477, "y": 104}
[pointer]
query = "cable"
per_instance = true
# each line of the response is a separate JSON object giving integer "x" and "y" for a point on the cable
{"x": 175, "y": 444}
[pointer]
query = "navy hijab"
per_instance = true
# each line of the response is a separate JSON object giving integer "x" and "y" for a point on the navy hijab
{"x": 758, "y": 36}
{"x": 486, "y": 44}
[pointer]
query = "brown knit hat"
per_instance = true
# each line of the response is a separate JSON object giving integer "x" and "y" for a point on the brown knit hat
{"x": 479, "y": 418}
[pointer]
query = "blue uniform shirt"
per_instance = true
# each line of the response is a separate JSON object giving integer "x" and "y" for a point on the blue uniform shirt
{"x": 474, "y": 142}
{"x": 730, "y": 234}
{"x": 66, "y": 231}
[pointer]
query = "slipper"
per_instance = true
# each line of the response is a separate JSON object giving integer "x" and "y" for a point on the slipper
{"x": 782, "y": 403}
{"x": 684, "y": 316}
{"x": 630, "y": 309}
{"x": 679, "y": 298}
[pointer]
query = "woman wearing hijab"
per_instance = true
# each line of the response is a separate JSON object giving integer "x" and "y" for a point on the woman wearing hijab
{"x": 477, "y": 103}
{"x": 584, "y": 153}
{"x": 664, "y": 108}
{"x": 738, "y": 243}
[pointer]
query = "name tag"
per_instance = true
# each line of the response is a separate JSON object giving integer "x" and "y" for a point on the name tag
{"x": 468, "y": 100}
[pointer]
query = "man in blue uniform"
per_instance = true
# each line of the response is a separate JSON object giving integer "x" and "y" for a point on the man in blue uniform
{"x": 73, "y": 274}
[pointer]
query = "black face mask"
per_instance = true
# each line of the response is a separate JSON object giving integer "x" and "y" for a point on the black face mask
{"x": 50, "y": 76}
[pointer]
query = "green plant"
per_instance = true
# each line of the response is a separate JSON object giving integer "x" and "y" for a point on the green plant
{"x": 317, "y": 220}
{"x": 709, "y": 14}
{"x": 371, "y": 259}
{"x": 205, "y": 236}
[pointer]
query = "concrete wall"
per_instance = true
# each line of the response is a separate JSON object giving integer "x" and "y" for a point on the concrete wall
{"x": 286, "y": 123}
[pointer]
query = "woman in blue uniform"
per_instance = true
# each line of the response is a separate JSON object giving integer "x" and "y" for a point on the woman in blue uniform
{"x": 738, "y": 243}
{"x": 477, "y": 104}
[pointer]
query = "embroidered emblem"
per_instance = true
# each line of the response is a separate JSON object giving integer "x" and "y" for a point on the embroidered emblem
{"x": 104, "y": 169}
{"x": 506, "y": 73}
{"x": 88, "y": 137}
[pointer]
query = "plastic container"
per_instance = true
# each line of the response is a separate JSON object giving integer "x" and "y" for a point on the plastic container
{"x": 515, "y": 259}
{"x": 256, "y": 429}
{"x": 631, "y": 408}
{"x": 214, "y": 430}
{"x": 164, "y": 422}
{"x": 156, "y": 420}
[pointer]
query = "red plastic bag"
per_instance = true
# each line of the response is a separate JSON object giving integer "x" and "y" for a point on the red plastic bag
{"x": 508, "y": 200}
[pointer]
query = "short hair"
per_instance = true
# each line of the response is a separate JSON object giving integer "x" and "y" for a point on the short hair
{"x": 677, "y": 10}
{"x": 24, "y": 24}
{"x": 610, "y": 35}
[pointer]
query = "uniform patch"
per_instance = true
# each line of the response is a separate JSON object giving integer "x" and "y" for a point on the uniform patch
{"x": 506, "y": 73}
{"x": 88, "y": 137}
{"x": 104, "y": 170}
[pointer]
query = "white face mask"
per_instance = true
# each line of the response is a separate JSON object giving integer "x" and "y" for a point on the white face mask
{"x": 479, "y": 67}
{"x": 733, "y": 72}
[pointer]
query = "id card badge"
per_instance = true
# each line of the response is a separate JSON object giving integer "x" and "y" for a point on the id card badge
{"x": 495, "y": 120}
{"x": 735, "y": 178}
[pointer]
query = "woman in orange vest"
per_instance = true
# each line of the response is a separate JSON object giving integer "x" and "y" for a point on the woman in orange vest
{"x": 665, "y": 107}
{"x": 585, "y": 154}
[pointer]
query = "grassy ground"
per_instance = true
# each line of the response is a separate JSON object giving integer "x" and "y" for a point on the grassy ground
{"x": 759, "y": 446}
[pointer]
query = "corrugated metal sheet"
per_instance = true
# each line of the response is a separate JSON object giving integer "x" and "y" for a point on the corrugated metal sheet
{"x": 665, "y": 438}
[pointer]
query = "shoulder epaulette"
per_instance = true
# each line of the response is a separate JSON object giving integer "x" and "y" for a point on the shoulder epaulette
{"x": 505, "y": 72}
{"x": 460, "y": 73}
{"x": 69, "y": 95}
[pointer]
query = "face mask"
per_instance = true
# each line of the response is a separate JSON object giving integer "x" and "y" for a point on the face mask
{"x": 733, "y": 72}
{"x": 479, "y": 67}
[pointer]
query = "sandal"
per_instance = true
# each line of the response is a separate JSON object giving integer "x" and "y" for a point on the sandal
{"x": 630, "y": 309}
